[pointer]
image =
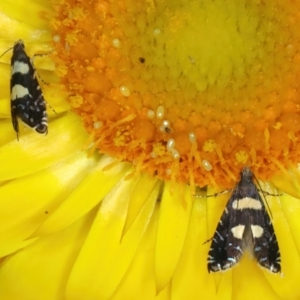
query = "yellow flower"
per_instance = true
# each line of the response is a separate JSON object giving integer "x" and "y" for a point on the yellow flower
{"x": 165, "y": 96}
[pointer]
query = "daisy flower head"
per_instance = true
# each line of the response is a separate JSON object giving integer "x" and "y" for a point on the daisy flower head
{"x": 154, "y": 102}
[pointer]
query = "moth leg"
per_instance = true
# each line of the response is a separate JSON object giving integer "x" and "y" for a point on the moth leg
{"x": 50, "y": 107}
{"x": 36, "y": 74}
{"x": 213, "y": 195}
{"x": 270, "y": 194}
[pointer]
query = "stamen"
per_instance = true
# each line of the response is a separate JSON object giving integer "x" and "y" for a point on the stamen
{"x": 162, "y": 128}
{"x": 206, "y": 165}
{"x": 98, "y": 124}
{"x": 116, "y": 43}
{"x": 150, "y": 114}
{"x": 125, "y": 91}
{"x": 166, "y": 123}
{"x": 56, "y": 38}
{"x": 192, "y": 137}
{"x": 67, "y": 46}
{"x": 153, "y": 155}
{"x": 170, "y": 145}
{"x": 175, "y": 153}
{"x": 160, "y": 112}
{"x": 156, "y": 31}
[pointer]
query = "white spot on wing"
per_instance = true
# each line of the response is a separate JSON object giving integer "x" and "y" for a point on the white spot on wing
{"x": 18, "y": 91}
{"x": 238, "y": 231}
{"x": 247, "y": 203}
{"x": 257, "y": 231}
{"x": 19, "y": 67}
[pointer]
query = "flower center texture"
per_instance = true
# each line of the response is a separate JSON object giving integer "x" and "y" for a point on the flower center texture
{"x": 188, "y": 90}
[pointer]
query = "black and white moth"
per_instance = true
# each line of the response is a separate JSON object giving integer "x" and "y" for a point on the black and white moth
{"x": 27, "y": 100}
{"x": 244, "y": 223}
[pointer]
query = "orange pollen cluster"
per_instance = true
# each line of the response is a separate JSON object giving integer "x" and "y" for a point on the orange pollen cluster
{"x": 187, "y": 91}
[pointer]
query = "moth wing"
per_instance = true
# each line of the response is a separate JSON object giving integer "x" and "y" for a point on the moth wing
{"x": 265, "y": 245}
{"x": 27, "y": 100}
{"x": 14, "y": 118}
{"x": 226, "y": 249}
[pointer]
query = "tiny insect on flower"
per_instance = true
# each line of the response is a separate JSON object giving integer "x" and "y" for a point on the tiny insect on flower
{"x": 244, "y": 222}
{"x": 27, "y": 100}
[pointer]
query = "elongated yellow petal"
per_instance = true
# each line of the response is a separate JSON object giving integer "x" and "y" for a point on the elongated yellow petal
{"x": 291, "y": 210}
{"x": 287, "y": 285}
{"x": 15, "y": 24}
{"x": 173, "y": 223}
{"x": 144, "y": 186}
{"x": 111, "y": 253}
{"x": 51, "y": 259}
{"x": 255, "y": 285}
{"x": 12, "y": 8}
{"x": 287, "y": 183}
{"x": 85, "y": 196}
{"x": 191, "y": 279}
{"x": 139, "y": 281}
{"x": 7, "y": 134}
{"x": 30, "y": 200}
{"x": 44, "y": 149}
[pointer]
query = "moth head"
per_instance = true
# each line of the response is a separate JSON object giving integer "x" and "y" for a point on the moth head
{"x": 247, "y": 174}
{"x": 19, "y": 45}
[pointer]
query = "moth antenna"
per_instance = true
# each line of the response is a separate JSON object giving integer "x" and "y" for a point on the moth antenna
{"x": 6, "y": 51}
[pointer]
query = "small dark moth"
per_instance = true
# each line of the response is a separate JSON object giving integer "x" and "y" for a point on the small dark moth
{"x": 244, "y": 223}
{"x": 27, "y": 100}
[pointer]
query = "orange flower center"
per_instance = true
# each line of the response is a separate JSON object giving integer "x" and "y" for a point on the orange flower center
{"x": 187, "y": 90}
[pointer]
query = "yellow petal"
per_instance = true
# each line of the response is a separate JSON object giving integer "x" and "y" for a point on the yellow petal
{"x": 7, "y": 134}
{"x": 191, "y": 279}
{"x": 12, "y": 8}
{"x": 51, "y": 259}
{"x": 32, "y": 198}
{"x": 145, "y": 185}
{"x": 139, "y": 281}
{"x": 287, "y": 182}
{"x": 73, "y": 207}
{"x": 111, "y": 255}
{"x": 44, "y": 149}
{"x": 173, "y": 223}
{"x": 291, "y": 209}
{"x": 286, "y": 285}
{"x": 252, "y": 286}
